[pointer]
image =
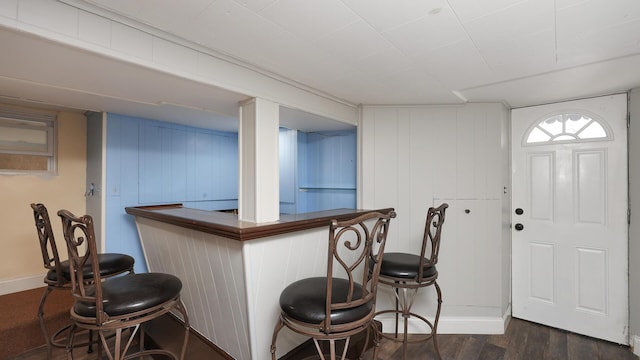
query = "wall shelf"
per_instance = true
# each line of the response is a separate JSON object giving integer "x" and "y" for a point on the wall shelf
{"x": 306, "y": 188}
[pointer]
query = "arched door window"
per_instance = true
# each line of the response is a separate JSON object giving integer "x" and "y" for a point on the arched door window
{"x": 567, "y": 127}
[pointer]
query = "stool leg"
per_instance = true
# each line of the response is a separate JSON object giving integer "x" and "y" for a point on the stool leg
{"x": 435, "y": 322}
{"x": 376, "y": 343}
{"x": 187, "y": 326}
{"x": 319, "y": 349}
{"x": 332, "y": 349}
{"x": 405, "y": 305}
{"x": 90, "y": 346}
{"x": 141, "y": 341}
{"x": 72, "y": 333}
{"x": 405, "y": 340}
{"x": 276, "y": 330}
{"x": 118, "y": 344}
{"x": 99, "y": 344}
{"x": 397, "y": 309}
{"x": 43, "y": 327}
{"x": 366, "y": 340}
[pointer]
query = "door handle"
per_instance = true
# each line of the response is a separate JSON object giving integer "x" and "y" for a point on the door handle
{"x": 519, "y": 211}
{"x": 519, "y": 227}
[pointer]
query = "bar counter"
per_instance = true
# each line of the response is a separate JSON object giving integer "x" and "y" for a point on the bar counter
{"x": 227, "y": 225}
{"x": 233, "y": 271}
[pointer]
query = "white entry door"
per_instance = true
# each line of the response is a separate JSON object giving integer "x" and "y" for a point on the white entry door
{"x": 569, "y": 216}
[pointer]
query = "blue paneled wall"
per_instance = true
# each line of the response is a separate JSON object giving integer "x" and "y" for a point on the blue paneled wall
{"x": 320, "y": 173}
{"x": 151, "y": 162}
{"x": 288, "y": 153}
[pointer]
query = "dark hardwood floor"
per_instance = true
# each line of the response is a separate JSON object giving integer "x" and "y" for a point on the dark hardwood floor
{"x": 522, "y": 340}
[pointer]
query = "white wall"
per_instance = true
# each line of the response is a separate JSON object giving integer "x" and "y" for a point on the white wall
{"x": 634, "y": 228}
{"x": 416, "y": 157}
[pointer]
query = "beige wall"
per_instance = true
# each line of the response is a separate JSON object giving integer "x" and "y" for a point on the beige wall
{"x": 19, "y": 250}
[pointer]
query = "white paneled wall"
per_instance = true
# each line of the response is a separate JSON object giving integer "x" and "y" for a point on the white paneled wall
{"x": 419, "y": 156}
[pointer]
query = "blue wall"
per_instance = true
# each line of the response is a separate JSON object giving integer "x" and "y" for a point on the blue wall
{"x": 320, "y": 172}
{"x": 152, "y": 162}
{"x": 288, "y": 153}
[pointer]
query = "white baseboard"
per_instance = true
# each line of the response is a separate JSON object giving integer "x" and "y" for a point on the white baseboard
{"x": 453, "y": 325}
{"x": 635, "y": 343}
{"x": 21, "y": 284}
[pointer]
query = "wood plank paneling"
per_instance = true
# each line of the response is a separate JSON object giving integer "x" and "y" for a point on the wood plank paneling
{"x": 212, "y": 273}
{"x": 414, "y": 157}
{"x": 152, "y": 162}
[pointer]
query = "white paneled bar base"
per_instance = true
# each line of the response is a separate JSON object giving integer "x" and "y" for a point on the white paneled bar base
{"x": 212, "y": 274}
{"x": 233, "y": 271}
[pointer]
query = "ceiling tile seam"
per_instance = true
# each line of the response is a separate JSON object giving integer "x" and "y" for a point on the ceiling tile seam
{"x": 612, "y": 26}
{"x": 518, "y": 78}
{"x": 241, "y": 3}
{"x": 410, "y": 59}
{"x": 349, "y": 24}
{"x": 381, "y": 34}
{"x": 315, "y": 40}
{"x": 272, "y": 4}
{"x": 161, "y": 34}
{"x": 458, "y": 92}
{"x": 493, "y": 12}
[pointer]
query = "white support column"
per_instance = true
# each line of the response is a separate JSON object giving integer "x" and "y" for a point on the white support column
{"x": 259, "y": 190}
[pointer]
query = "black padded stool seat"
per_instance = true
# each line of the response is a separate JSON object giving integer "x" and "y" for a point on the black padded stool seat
{"x": 305, "y": 300}
{"x": 109, "y": 264}
{"x": 403, "y": 265}
{"x": 131, "y": 293}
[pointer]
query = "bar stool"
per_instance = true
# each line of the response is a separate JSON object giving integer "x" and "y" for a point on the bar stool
{"x": 116, "y": 304}
{"x": 406, "y": 273}
{"x": 341, "y": 304}
{"x": 58, "y": 275}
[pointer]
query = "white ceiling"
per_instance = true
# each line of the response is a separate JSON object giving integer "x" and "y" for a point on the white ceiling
{"x": 396, "y": 51}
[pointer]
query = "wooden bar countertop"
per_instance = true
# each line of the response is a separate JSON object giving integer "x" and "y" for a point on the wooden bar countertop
{"x": 227, "y": 224}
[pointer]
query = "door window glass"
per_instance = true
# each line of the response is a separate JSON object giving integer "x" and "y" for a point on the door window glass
{"x": 567, "y": 127}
